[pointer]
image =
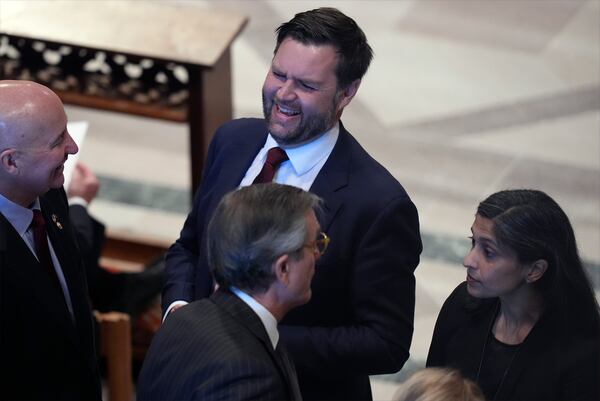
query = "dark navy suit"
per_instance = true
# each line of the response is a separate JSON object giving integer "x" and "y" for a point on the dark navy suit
{"x": 44, "y": 353}
{"x": 359, "y": 321}
{"x": 214, "y": 349}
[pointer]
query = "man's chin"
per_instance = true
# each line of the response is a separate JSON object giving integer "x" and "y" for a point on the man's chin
{"x": 281, "y": 135}
{"x": 58, "y": 181}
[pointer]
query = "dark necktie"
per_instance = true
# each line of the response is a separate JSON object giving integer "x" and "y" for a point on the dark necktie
{"x": 41, "y": 242}
{"x": 290, "y": 371}
{"x": 275, "y": 157}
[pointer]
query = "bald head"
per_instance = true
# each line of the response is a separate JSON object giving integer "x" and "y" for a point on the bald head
{"x": 24, "y": 110}
{"x": 34, "y": 142}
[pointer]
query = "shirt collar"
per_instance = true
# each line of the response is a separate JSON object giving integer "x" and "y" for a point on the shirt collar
{"x": 306, "y": 156}
{"x": 266, "y": 317}
{"x": 20, "y": 217}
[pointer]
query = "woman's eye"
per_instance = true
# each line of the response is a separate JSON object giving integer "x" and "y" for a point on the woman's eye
{"x": 489, "y": 253}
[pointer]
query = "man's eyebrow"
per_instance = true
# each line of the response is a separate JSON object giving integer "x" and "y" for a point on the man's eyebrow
{"x": 60, "y": 136}
{"x": 309, "y": 81}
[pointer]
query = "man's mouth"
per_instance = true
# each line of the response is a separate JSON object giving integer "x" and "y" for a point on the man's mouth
{"x": 287, "y": 111}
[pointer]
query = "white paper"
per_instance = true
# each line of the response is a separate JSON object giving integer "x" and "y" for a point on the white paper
{"x": 77, "y": 130}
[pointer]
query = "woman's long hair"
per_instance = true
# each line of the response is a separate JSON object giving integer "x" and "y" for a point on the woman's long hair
{"x": 534, "y": 226}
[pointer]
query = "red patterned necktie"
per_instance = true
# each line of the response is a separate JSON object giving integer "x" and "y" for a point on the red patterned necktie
{"x": 41, "y": 242}
{"x": 275, "y": 157}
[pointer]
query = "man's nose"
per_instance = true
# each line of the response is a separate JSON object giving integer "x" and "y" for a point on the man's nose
{"x": 286, "y": 91}
{"x": 71, "y": 147}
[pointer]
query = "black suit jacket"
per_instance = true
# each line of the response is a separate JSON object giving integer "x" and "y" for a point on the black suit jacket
{"x": 555, "y": 362}
{"x": 90, "y": 234}
{"x": 359, "y": 321}
{"x": 214, "y": 349}
{"x": 129, "y": 293}
{"x": 44, "y": 354}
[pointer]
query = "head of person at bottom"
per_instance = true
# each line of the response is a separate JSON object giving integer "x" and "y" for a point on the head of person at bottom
{"x": 320, "y": 58}
{"x": 34, "y": 141}
{"x": 438, "y": 384}
{"x": 264, "y": 239}
{"x": 524, "y": 252}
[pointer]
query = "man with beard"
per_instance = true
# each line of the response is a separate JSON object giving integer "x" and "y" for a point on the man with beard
{"x": 359, "y": 321}
{"x": 46, "y": 333}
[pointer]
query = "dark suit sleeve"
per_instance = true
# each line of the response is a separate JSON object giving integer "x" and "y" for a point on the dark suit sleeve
{"x": 445, "y": 326}
{"x": 90, "y": 235}
{"x": 89, "y": 231}
{"x": 181, "y": 261}
{"x": 382, "y": 297}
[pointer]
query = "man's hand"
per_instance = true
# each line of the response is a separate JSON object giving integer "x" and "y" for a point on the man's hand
{"x": 174, "y": 308}
{"x": 83, "y": 184}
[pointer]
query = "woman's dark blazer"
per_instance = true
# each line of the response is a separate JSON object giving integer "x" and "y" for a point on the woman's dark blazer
{"x": 553, "y": 363}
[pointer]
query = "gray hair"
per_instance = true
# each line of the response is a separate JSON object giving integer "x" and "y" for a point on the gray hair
{"x": 251, "y": 228}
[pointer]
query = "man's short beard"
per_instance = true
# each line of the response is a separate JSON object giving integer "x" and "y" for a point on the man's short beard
{"x": 306, "y": 130}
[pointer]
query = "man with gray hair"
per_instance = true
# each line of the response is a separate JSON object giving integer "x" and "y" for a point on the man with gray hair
{"x": 263, "y": 241}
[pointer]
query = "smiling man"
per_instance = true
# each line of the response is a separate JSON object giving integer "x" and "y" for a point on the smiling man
{"x": 46, "y": 335}
{"x": 359, "y": 321}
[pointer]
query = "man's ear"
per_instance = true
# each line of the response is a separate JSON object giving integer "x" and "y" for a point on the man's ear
{"x": 282, "y": 269}
{"x": 8, "y": 160}
{"x": 536, "y": 270}
{"x": 347, "y": 94}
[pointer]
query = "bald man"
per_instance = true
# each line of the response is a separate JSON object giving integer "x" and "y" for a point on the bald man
{"x": 46, "y": 333}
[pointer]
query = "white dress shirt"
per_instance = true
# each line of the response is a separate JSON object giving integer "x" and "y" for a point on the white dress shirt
{"x": 266, "y": 317}
{"x": 305, "y": 161}
{"x": 301, "y": 170}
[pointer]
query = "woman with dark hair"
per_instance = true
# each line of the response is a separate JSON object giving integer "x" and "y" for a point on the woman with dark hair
{"x": 525, "y": 325}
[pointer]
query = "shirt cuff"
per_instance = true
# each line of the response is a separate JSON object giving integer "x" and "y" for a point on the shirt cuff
{"x": 170, "y": 308}
{"x": 78, "y": 200}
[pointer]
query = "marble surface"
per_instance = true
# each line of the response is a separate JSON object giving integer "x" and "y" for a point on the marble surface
{"x": 195, "y": 35}
{"x": 463, "y": 99}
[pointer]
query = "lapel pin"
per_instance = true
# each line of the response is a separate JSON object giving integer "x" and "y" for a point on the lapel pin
{"x": 55, "y": 220}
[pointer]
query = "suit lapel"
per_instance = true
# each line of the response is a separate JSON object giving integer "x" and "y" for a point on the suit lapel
{"x": 24, "y": 265}
{"x": 59, "y": 231}
{"x": 57, "y": 237}
{"x": 243, "y": 314}
{"x": 235, "y": 159}
{"x": 333, "y": 177}
{"x": 286, "y": 364}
